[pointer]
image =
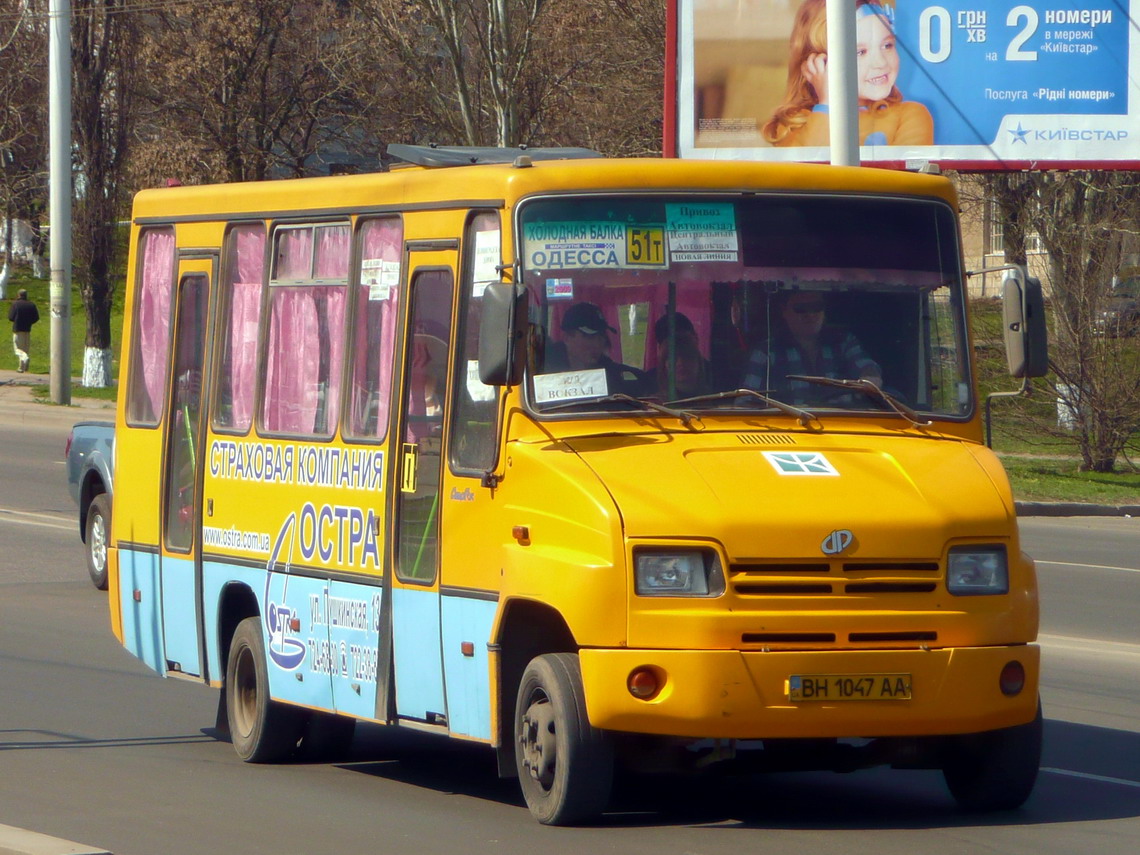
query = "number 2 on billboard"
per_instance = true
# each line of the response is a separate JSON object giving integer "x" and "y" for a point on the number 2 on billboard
{"x": 935, "y": 27}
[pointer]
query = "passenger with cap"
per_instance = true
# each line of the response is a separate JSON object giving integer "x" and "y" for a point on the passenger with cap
{"x": 585, "y": 345}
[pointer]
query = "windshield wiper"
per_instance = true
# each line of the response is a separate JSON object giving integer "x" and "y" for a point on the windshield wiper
{"x": 804, "y": 417}
{"x": 685, "y": 416}
{"x": 871, "y": 390}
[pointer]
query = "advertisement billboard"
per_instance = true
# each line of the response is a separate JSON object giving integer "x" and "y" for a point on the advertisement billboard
{"x": 1000, "y": 84}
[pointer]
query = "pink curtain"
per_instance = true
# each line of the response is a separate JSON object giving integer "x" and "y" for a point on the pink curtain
{"x": 245, "y": 283}
{"x": 152, "y": 326}
{"x": 294, "y": 254}
{"x": 306, "y": 333}
{"x": 333, "y": 252}
{"x": 335, "y": 300}
{"x": 381, "y": 242}
{"x": 306, "y": 349}
{"x": 290, "y": 394}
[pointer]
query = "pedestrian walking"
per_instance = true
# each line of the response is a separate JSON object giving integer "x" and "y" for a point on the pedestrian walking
{"x": 23, "y": 314}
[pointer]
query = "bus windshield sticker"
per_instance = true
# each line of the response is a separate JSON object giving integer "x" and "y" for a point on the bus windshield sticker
{"x": 800, "y": 463}
{"x": 380, "y": 276}
{"x": 570, "y": 386}
{"x": 486, "y": 267}
{"x": 593, "y": 245}
{"x": 559, "y": 289}
{"x": 702, "y": 231}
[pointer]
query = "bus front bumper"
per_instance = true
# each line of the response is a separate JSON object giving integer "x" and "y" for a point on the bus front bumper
{"x": 728, "y": 694}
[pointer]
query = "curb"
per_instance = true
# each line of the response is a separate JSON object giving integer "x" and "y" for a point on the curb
{"x": 18, "y": 405}
{"x": 20, "y": 841}
{"x": 1074, "y": 509}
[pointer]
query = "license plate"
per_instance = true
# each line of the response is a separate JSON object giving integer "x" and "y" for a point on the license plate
{"x": 848, "y": 687}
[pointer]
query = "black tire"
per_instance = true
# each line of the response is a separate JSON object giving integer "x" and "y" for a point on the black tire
{"x": 262, "y": 730}
{"x": 96, "y": 536}
{"x": 995, "y": 770}
{"x": 327, "y": 737}
{"x": 565, "y": 766}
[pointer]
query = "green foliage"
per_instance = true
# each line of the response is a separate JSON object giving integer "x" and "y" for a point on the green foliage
{"x": 1058, "y": 479}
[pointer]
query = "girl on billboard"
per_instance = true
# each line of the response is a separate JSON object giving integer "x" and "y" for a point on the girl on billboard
{"x": 884, "y": 117}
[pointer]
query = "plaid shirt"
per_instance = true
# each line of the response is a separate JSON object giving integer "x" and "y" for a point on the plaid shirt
{"x": 841, "y": 357}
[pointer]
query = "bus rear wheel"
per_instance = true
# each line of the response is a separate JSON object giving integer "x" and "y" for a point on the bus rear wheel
{"x": 995, "y": 770}
{"x": 565, "y": 765}
{"x": 262, "y": 730}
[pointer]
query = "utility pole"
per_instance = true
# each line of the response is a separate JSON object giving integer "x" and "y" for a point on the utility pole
{"x": 59, "y": 178}
{"x": 842, "y": 83}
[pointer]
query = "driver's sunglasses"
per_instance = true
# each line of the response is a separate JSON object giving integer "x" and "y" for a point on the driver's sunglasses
{"x": 808, "y": 308}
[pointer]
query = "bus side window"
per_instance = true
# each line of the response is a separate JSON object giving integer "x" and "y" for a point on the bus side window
{"x": 150, "y": 347}
{"x": 377, "y": 300}
{"x": 474, "y": 426}
{"x": 242, "y": 285}
{"x": 305, "y": 339}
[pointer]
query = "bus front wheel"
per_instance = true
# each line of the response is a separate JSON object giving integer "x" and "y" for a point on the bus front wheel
{"x": 995, "y": 770}
{"x": 565, "y": 765}
{"x": 262, "y": 730}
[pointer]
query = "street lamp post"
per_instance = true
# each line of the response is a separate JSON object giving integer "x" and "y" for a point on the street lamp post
{"x": 842, "y": 83}
{"x": 59, "y": 171}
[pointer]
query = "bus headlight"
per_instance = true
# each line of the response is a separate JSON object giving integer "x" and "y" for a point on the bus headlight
{"x": 678, "y": 573}
{"x": 977, "y": 570}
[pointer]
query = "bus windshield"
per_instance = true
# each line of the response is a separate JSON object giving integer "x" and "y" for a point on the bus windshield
{"x": 816, "y": 301}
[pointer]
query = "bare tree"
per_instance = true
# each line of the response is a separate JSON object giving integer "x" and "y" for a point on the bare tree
{"x": 23, "y": 122}
{"x": 1084, "y": 220}
{"x": 482, "y": 46}
{"x": 239, "y": 91}
{"x": 507, "y": 72}
{"x": 604, "y": 75}
{"x": 103, "y": 50}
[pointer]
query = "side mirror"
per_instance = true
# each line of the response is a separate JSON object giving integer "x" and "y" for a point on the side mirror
{"x": 502, "y": 332}
{"x": 1023, "y": 316}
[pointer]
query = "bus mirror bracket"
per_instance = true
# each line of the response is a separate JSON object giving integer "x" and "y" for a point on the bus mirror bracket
{"x": 502, "y": 332}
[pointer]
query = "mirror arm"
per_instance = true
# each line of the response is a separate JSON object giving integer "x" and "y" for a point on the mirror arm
{"x": 1025, "y": 391}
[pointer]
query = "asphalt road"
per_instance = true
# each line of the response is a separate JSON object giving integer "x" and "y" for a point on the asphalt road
{"x": 95, "y": 748}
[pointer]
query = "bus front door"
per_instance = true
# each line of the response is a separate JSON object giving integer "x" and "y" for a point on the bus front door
{"x": 181, "y": 511}
{"x": 416, "y": 654}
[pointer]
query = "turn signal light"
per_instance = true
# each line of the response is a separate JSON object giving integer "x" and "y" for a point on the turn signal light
{"x": 1012, "y": 679}
{"x": 643, "y": 683}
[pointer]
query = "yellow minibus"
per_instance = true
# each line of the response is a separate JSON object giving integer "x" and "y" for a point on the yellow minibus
{"x": 600, "y": 463}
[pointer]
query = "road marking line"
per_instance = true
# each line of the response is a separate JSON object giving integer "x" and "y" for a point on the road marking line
{"x": 1088, "y": 645}
{"x": 1090, "y": 566}
{"x": 1124, "y": 782}
{"x": 28, "y": 518}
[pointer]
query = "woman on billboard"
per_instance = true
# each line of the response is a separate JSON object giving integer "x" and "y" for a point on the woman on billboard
{"x": 884, "y": 117}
